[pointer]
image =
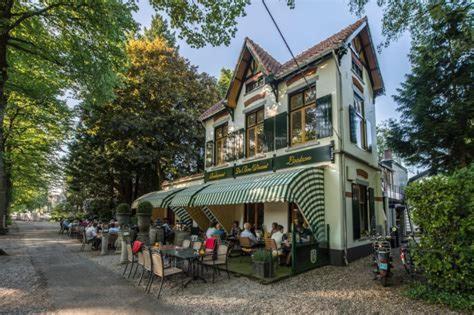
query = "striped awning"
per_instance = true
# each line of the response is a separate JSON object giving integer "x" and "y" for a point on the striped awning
{"x": 159, "y": 199}
{"x": 183, "y": 215}
{"x": 304, "y": 187}
{"x": 184, "y": 197}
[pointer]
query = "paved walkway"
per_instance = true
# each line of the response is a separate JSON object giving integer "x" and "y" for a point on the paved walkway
{"x": 45, "y": 273}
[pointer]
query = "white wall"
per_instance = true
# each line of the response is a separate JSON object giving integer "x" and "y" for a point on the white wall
{"x": 275, "y": 212}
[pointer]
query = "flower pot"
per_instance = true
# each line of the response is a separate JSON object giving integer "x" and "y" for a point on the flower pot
{"x": 264, "y": 269}
{"x": 123, "y": 219}
{"x": 143, "y": 226}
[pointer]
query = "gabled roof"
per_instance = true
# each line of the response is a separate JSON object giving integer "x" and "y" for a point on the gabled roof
{"x": 271, "y": 66}
{"x": 333, "y": 42}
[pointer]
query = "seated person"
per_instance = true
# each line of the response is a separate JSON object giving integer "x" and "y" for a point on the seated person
{"x": 305, "y": 233}
{"x": 235, "y": 231}
{"x": 211, "y": 230}
{"x": 247, "y": 233}
{"x": 219, "y": 231}
{"x": 274, "y": 228}
{"x": 169, "y": 233}
{"x": 278, "y": 237}
{"x": 91, "y": 235}
{"x": 113, "y": 228}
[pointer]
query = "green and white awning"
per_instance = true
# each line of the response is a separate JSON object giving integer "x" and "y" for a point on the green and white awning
{"x": 184, "y": 197}
{"x": 304, "y": 187}
{"x": 159, "y": 199}
{"x": 183, "y": 215}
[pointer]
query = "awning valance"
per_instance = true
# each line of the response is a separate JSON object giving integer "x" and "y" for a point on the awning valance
{"x": 159, "y": 199}
{"x": 184, "y": 197}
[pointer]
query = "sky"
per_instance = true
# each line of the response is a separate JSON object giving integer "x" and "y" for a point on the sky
{"x": 309, "y": 23}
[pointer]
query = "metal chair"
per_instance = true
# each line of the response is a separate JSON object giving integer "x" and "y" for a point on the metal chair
{"x": 146, "y": 267}
{"x": 221, "y": 260}
{"x": 131, "y": 260}
{"x": 160, "y": 271}
{"x": 246, "y": 246}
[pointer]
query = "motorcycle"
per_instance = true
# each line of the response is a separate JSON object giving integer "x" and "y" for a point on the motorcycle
{"x": 382, "y": 259}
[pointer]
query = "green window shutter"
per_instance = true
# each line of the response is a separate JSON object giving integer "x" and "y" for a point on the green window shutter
{"x": 209, "y": 153}
{"x": 355, "y": 212}
{"x": 353, "y": 124}
{"x": 324, "y": 116}
{"x": 373, "y": 223}
{"x": 281, "y": 130}
{"x": 269, "y": 133}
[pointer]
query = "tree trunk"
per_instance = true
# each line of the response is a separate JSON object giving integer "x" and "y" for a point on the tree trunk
{"x": 5, "y": 12}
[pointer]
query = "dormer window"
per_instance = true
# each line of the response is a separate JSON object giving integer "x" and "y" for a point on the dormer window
{"x": 253, "y": 77}
{"x": 254, "y": 84}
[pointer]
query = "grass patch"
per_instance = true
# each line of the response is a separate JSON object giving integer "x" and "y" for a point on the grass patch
{"x": 455, "y": 301}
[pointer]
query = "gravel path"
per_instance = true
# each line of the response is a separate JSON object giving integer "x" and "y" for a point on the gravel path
{"x": 47, "y": 273}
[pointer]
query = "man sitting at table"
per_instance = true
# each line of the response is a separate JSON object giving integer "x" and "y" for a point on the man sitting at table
{"x": 91, "y": 236}
{"x": 247, "y": 233}
{"x": 278, "y": 237}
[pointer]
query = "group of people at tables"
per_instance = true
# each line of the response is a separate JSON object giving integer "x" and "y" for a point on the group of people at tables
{"x": 92, "y": 229}
{"x": 277, "y": 233}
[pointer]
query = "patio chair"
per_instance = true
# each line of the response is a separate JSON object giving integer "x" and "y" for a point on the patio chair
{"x": 146, "y": 267}
{"x": 246, "y": 246}
{"x": 221, "y": 260}
{"x": 271, "y": 246}
{"x": 186, "y": 243}
{"x": 131, "y": 260}
{"x": 112, "y": 238}
{"x": 140, "y": 262}
{"x": 158, "y": 270}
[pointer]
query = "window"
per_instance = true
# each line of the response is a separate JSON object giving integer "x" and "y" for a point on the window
{"x": 254, "y": 214}
{"x": 255, "y": 135}
{"x": 360, "y": 216}
{"x": 209, "y": 153}
{"x": 303, "y": 116}
{"x": 357, "y": 67}
{"x": 220, "y": 134}
{"x": 361, "y": 129}
{"x": 254, "y": 84}
{"x": 235, "y": 145}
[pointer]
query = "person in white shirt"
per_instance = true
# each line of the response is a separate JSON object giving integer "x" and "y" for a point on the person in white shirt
{"x": 278, "y": 237}
{"x": 246, "y": 233}
{"x": 113, "y": 228}
{"x": 91, "y": 235}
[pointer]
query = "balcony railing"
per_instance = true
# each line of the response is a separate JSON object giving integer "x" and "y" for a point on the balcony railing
{"x": 394, "y": 191}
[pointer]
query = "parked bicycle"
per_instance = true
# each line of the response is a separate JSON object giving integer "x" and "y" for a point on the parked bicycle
{"x": 382, "y": 258}
{"x": 405, "y": 254}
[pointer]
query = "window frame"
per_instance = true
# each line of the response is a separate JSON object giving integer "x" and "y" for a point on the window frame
{"x": 302, "y": 109}
{"x": 365, "y": 220}
{"x": 253, "y": 129}
{"x": 223, "y": 140}
{"x": 258, "y": 211}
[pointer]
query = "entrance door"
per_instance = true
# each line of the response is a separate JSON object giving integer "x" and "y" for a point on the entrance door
{"x": 254, "y": 214}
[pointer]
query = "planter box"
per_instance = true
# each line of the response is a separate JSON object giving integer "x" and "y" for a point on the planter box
{"x": 264, "y": 269}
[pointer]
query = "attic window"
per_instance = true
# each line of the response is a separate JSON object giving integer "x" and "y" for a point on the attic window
{"x": 357, "y": 67}
{"x": 254, "y": 84}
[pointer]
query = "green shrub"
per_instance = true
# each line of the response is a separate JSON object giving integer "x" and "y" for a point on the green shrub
{"x": 145, "y": 208}
{"x": 463, "y": 301}
{"x": 261, "y": 255}
{"x": 442, "y": 206}
{"x": 123, "y": 208}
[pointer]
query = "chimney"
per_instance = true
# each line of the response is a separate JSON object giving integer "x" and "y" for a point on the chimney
{"x": 387, "y": 154}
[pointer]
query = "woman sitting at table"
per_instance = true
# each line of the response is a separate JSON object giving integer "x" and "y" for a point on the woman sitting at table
{"x": 235, "y": 231}
{"x": 274, "y": 228}
{"x": 219, "y": 231}
{"x": 211, "y": 230}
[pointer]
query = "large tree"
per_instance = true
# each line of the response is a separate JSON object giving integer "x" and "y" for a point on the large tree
{"x": 149, "y": 133}
{"x": 436, "y": 99}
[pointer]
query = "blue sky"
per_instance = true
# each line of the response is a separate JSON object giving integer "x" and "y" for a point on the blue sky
{"x": 309, "y": 23}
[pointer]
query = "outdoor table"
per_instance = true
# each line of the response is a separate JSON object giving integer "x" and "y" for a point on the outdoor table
{"x": 186, "y": 254}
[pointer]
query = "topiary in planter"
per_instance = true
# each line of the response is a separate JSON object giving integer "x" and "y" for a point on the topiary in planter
{"x": 123, "y": 213}
{"x": 144, "y": 217}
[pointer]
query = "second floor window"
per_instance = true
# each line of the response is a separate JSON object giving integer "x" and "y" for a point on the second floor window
{"x": 255, "y": 135}
{"x": 254, "y": 84}
{"x": 220, "y": 134}
{"x": 303, "y": 116}
{"x": 361, "y": 129}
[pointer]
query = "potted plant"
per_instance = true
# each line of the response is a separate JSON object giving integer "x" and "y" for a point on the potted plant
{"x": 123, "y": 213}
{"x": 144, "y": 217}
{"x": 263, "y": 264}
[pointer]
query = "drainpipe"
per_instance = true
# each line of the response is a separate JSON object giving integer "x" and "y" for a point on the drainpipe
{"x": 342, "y": 165}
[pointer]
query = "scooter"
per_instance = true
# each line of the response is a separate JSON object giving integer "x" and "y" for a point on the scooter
{"x": 382, "y": 259}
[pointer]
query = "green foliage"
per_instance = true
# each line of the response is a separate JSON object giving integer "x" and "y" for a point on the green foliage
{"x": 145, "y": 208}
{"x": 457, "y": 301}
{"x": 262, "y": 255}
{"x": 159, "y": 28}
{"x": 443, "y": 208}
{"x": 224, "y": 81}
{"x": 203, "y": 22}
{"x": 123, "y": 208}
